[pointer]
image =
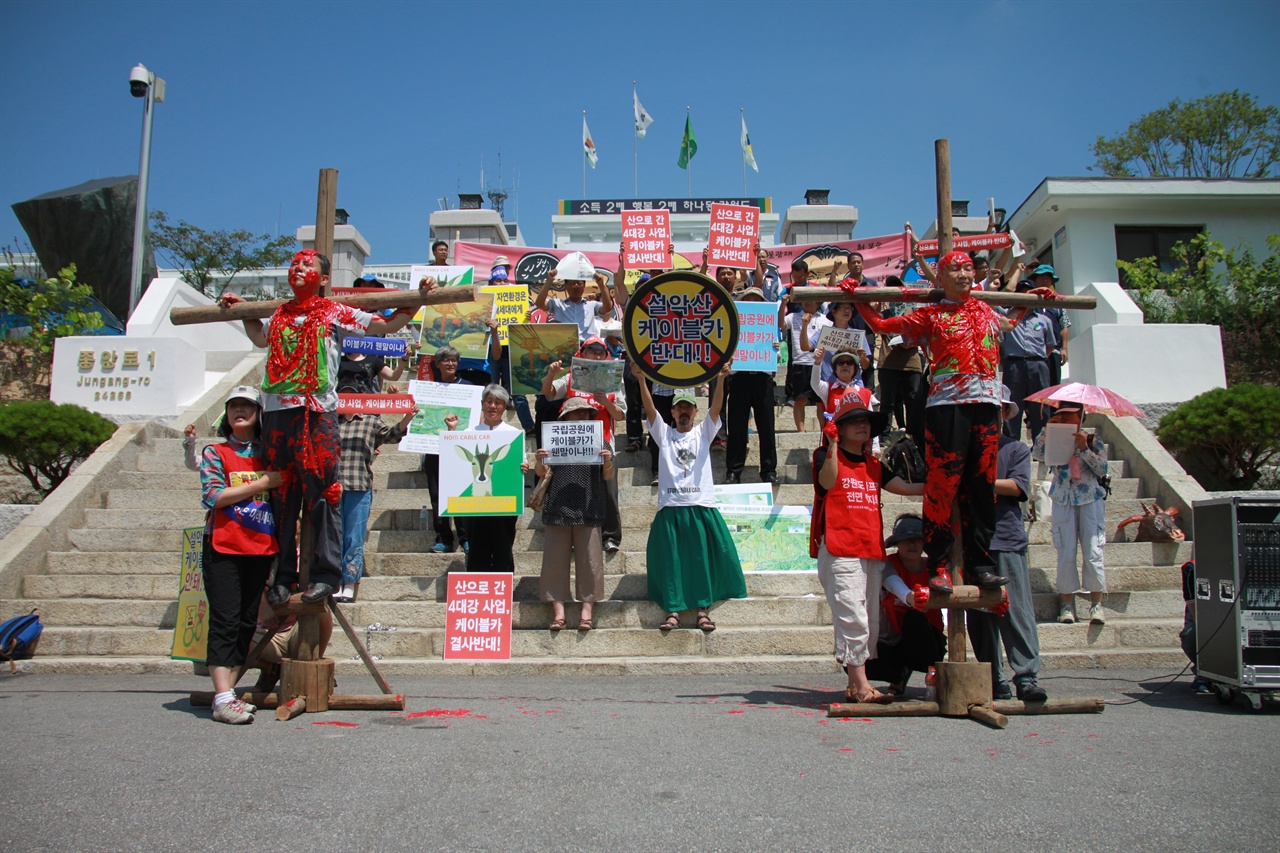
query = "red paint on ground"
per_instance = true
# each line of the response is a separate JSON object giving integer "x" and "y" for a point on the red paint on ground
{"x": 737, "y": 712}
{"x": 340, "y": 723}
{"x": 846, "y": 749}
{"x": 439, "y": 712}
{"x": 893, "y": 750}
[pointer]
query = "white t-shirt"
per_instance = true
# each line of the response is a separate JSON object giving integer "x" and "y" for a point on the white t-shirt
{"x": 684, "y": 464}
{"x": 816, "y": 322}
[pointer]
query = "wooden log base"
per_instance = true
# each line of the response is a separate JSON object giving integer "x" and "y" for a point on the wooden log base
{"x": 904, "y": 708}
{"x": 961, "y": 686}
{"x": 1079, "y": 705}
{"x": 337, "y": 701}
{"x": 312, "y": 679}
{"x": 965, "y": 597}
{"x": 985, "y": 714}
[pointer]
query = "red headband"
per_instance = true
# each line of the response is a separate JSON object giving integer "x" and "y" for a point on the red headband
{"x": 954, "y": 259}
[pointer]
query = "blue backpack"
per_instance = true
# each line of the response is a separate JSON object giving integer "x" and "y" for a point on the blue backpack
{"x": 19, "y": 637}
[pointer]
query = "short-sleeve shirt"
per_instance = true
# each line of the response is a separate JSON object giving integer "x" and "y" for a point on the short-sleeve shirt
{"x": 816, "y": 322}
{"x": 684, "y": 464}
{"x": 1013, "y": 462}
{"x": 586, "y": 313}
{"x": 963, "y": 339}
{"x": 346, "y": 319}
{"x": 1031, "y": 338}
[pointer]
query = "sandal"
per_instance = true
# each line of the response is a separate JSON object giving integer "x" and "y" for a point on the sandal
{"x": 672, "y": 621}
{"x": 586, "y": 625}
{"x": 872, "y": 696}
{"x": 556, "y": 625}
{"x": 705, "y": 623}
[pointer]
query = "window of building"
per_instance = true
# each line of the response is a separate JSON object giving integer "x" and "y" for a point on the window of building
{"x": 1152, "y": 241}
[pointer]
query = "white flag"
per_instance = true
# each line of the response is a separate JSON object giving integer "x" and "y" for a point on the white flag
{"x": 588, "y": 147}
{"x": 748, "y": 156}
{"x": 643, "y": 119}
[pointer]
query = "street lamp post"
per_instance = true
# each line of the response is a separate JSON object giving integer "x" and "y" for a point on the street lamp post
{"x": 142, "y": 84}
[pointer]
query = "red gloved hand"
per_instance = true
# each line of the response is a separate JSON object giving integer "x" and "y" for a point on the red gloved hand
{"x": 1001, "y": 609}
{"x": 830, "y": 432}
{"x": 919, "y": 597}
{"x": 1044, "y": 292}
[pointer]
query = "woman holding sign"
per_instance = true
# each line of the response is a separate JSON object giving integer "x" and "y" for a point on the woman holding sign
{"x": 572, "y": 514}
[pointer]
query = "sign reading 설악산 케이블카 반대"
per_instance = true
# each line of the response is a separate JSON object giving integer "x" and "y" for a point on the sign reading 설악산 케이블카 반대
{"x": 191, "y": 630}
{"x": 680, "y": 328}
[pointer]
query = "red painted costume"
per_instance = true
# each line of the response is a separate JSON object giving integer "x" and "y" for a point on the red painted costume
{"x": 961, "y": 418}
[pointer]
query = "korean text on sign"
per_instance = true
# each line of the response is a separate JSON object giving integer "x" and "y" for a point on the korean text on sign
{"x": 757, "y": 336}
{"x": 646, "y": 239}
{"x": 735, "y": 231}
{"x": 681, "y": 328}
{"x": 478, "y": 616}
{"x": 573, "y": 442}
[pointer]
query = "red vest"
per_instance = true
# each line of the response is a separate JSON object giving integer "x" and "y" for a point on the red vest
{"x": 849, "y": 513}
{"x": 602, "y": 413}
{"x": 892, "y": 609}
{"x": 247, "y": 527}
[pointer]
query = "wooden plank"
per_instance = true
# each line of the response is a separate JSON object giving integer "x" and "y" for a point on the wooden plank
{"x": 360, "y": 649}
{"x": 373, "y": 300}
{"x": 989, "y": 716}
{"x": 326, "y": 210}
{"x": 1078, "y": 705}
{"x": 942, "y": 169}
{"x": 905, "y": 708}
{"x": 965, "y": 597}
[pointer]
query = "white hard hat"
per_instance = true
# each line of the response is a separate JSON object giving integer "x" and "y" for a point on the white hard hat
{"x": 575, "y": 267}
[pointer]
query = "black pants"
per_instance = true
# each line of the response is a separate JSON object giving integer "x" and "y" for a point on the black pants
{"x": 611, "y": 530}
{"x": 898, "y": 392}
{"x": 441, "y": 524}
{"x": 493, "y": 539}
{"x": 233, "y": 583}
{"x": 305, "y": 449}
{"x": 663, "y": 405}
{"x": 920, "y": 647}
{"x": 635, "y": 407}
{"x": 1025, "y": 376}
{"x": 751, "y": 392}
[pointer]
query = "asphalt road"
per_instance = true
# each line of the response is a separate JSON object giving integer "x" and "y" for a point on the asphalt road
{"x": 630, "y": 763}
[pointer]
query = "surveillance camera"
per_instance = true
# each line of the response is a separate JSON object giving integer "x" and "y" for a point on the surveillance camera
{"x": 139, "y": 81}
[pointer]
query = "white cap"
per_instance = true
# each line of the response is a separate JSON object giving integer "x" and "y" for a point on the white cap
{"x": 245, "y": 392}
{"x": 575, "y": 267}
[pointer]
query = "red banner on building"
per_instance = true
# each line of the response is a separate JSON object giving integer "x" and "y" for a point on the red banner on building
{"x": 376, "y": 404}
{"x": 646, "y": 239}
{"x": 972, "y": 243}
{"x": 478, "y": 616}
{"x": 735, "y": 231}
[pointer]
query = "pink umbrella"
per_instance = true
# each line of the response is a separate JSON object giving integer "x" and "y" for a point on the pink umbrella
{"x": 1094, "y": 398}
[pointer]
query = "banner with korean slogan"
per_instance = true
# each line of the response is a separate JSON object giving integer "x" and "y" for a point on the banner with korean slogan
{"x": 510, "y": 305}
{"x": 191, "y": 630}
{"x": 480, "y": 471}
{"x": 436, "y": 401}
{"x": 770, "y": 538}
{"x": 591, "y": 375}
{"x": 757, "y": 338}
{"x": 531, "y": 264}
{"x": 573, "y": 442}
{"x": 376, "y": 404}
{"x": 881, "y": 256}
{"x": 646, "y": 239}
{"x": 385, "y": 347}
{"x": 462, "y": 325}
{"x": 735, "y": 231}
{"x": 534, "y": 346}
{"x": 478, "y": 616}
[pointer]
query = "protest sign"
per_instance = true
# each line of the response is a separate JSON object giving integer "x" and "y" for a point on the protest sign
{"x": 971, "y": 243}
{"x": 530, "y": 265}
{"x": 480, "y": 471}
{"x": 646, "y": 239}
{"x": 435, "y": 402}
{"x": 735, "y": 231}
{"x": 590, "y": 375}
{"x": 573, "y": 442}
{"x": 744, "y": 494}
{"x": 757, "y": 338}
{"x": 385, "y": 347}
{"x": 478, "y": 616}
{"x": 445, "y": 276}
{"x": 462, "y": 325}
{"x": 534, "y": 346}
{"x": 191, "y": 631}
{"x": 881, "y": 256}
{"x": 680, "y": 327}
{"x": 510, "y": 305}
{"x": 376, "y": 404}
{"x": 770, "y": 539}
{"x": 835, "y": 340}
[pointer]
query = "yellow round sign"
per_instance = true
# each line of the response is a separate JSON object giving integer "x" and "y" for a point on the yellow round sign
{"x": 680, "y": 327}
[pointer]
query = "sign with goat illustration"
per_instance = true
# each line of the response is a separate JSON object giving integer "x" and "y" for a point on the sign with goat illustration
{"x": 480, "y": 472}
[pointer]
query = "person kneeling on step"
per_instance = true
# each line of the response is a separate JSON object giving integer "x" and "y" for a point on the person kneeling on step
{"x": 910, "y": 640}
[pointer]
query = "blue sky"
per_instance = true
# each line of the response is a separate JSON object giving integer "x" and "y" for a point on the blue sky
{"x": 410, "y": 100}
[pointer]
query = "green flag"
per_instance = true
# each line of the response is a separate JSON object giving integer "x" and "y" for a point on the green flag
{"x": 689, "y": 146}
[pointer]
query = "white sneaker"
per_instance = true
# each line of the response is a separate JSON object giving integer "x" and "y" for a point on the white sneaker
{"x": 1067, "y": 614}
{"x": 1095, "y": 614}
{"x": 232, "y": 712}
{"x": 346, "y": 593}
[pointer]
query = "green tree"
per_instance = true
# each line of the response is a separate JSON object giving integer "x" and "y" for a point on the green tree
{"x": 33, "y": 318}
{"x": 1218, "y": 136}
{"x": 43, "y": 441}
{"x": 1229, "y": 434}
{"x": 202, "y": 255}
{"x": 1233, "y": 290}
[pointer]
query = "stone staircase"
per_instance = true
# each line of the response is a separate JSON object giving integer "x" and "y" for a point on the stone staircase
{"x": 109, "y": 602}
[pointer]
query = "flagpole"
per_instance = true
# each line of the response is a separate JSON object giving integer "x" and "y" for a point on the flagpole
{"x": 689, "y": 165}
{"x": 743, "y": 110}
{"x": 635, "y": 156}
{"x": 584, "y": 159}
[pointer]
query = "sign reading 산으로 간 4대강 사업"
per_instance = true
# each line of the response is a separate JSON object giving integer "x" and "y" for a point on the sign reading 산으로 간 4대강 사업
{"x": 478, "y": 616}
{"x": 646, "y": 239}
{"x": 735, "y": 231}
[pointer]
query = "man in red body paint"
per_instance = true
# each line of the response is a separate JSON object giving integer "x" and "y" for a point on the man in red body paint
{"x": 300, "y": 421}
{"x": 962, "y": 426}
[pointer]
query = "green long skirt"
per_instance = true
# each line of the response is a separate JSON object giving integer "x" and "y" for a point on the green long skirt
{"x": 692, "y": 561}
